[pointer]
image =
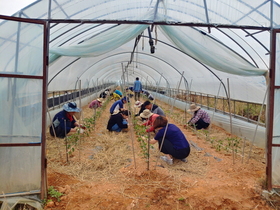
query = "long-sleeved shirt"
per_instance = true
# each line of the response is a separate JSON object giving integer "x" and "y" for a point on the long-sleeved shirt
{"x": 200, "y": 114}
{"x": 62, "y": 124}
{"x": 155, "y": 109}
{"x": 118, "y": 92}
{"x": 94, "y": 104}
{"x": 174, "y": 135}
{"x": 116, "y": 106}
{"x": 150, "y": 122}
{"x": 137, "y": 87}
{"x": 116, "y": 119}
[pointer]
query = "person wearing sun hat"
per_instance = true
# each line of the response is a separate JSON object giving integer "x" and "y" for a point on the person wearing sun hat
{"x": 64, "y": 122}
{"x": 150, "y": 117}
{"x": 95, "y": 103}
{"x": 200, "y": 118}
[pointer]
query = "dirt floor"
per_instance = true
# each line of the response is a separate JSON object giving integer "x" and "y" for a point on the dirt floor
{"x": 110, "y": 171}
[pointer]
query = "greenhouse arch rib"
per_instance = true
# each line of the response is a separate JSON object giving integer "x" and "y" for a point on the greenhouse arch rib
{"x": 199, "y": 63}
{"x": 117, "y": 70}
{"x": 108, "y": 74}
{"x": 138, "y": 62}
{"x": 103, "y": 59}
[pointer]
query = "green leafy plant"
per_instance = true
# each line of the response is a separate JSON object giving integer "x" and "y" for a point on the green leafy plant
{"x": 219, "y": 145}
{"x": 181, "y": 199}
{"x": 233, "y": 143}
{"x": 141, "y": 132}
{"x": 72, "y": 142}
{"x": 53, "y": 193}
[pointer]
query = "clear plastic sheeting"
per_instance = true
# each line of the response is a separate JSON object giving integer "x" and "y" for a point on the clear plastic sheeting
{"x": 21, "y": 169}
{"x": 102, "y": 43}
{"x": 234, "y": 12}
{"x": 21, "y": 105}
{"x": 10, "y": 203}
{"x": 21, "y": 49}
{"x": 210, "y": 52}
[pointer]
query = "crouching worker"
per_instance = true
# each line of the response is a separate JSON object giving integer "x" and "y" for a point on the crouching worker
{"x": 64, "y": 122}
{"x": 95, "y": 103}
{"x": 118, "y": 121}
{"x": 118, "y": 105}
{"x": 200, "y": 118}
{"x": 171, "y": 141}
{"x": 150, "y": 117}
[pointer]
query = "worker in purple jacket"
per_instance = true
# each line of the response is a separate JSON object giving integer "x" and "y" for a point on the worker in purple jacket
{"x": 200, "y": 118}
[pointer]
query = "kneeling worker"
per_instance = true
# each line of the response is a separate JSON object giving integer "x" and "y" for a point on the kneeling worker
{"x": 118, "y": 121}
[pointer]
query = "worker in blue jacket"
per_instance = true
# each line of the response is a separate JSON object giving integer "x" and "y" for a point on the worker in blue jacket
{"x": 118, "y": 105}
{"x": 137, "y": 88}
{"x": 64, "y": 122}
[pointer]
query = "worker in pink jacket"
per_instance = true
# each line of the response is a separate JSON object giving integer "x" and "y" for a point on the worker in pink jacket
{"x": 95, "y": 104}
{"x": 150, "y": 117}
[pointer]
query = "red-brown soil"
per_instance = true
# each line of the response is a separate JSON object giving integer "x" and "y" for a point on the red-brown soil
{"x": 109, "y": 171}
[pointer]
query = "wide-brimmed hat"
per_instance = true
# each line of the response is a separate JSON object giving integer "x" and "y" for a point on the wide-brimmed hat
{"x": 100, "y": 100}
{"x": 146, "y": 113}
{"x": 71, "y": 107}
{"x": 138, "y": 104}
{"x": 193, "y": 108}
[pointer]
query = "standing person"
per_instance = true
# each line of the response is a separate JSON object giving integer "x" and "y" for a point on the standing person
{"x": 150, "y": 117}
{"x": 95, "y": 104}
{"x": 118, "y": 105}
{"x": 64, "y": 122}
{"x": 200, "y": 117}
{"x": 137, "y": 88}
{"x": 171, "y": 141}
{"x": 118, "y": 121}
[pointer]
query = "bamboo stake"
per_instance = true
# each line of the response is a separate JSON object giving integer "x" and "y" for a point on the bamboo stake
{"x": 162, "y": 141}
{"x": 66, "y": 143}
{"x": 243, "y": 149}
{"x": 230, "y": 120}
{"x": 257, "y": 124}
{"x": 148, "y": 162}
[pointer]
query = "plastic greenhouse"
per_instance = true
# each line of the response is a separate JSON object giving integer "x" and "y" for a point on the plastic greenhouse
{"x": 225, "y": 48}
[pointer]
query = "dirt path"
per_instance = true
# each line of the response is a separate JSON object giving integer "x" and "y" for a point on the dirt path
{"x": 109, "y": 171}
